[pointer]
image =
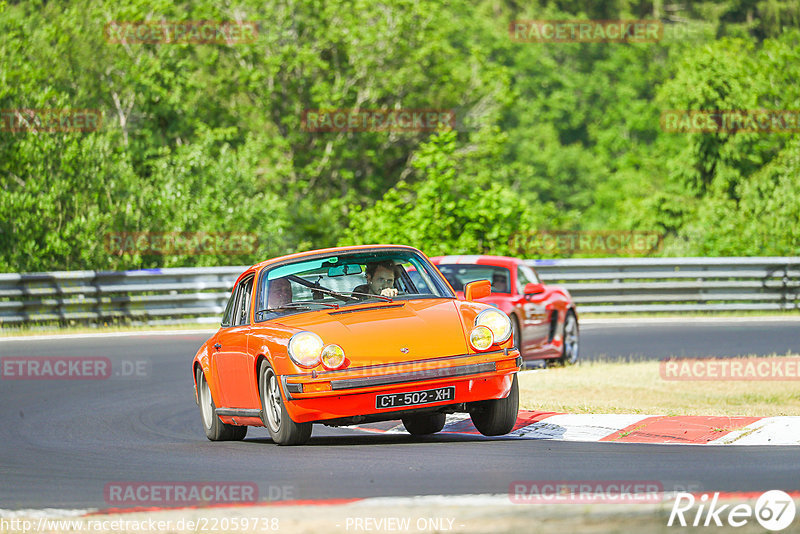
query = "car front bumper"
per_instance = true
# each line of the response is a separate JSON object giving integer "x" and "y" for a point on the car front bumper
{"x": 351, "y": 393}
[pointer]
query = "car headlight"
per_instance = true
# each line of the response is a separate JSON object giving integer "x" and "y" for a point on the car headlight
{"x": 481, "y": 337}
{"x": 305, "y": 349}
{"x": 333, "y": 357}
{"x": 496, "y": 321}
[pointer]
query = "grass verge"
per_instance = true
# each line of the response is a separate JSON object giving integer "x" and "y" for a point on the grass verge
{"x": 637, "y": 388}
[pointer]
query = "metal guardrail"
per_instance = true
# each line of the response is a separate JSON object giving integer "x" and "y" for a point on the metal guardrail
{"x": 625, "y": 285}
{"x": 199, "y": 294}
{"x": 153, "y": 296}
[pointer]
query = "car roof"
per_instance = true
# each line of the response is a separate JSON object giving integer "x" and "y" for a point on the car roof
{"x": 309, "y": 253}
{"x": 499, "y": 261}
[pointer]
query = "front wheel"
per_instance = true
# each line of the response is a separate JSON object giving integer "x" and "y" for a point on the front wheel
{"x": 215, "y": 429}
{"x": 497, "y": 416}
{"x": 569, "y": 353}
{"x": 517, "y": 335}
{"x": 282, "y": 429}
{"x": 421, "y": 425}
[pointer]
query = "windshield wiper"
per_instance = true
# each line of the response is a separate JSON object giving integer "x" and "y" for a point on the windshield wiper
{"x": 380, "y": 297}
{"x": 299, "y": 306}
{"x": 317, "y": 287}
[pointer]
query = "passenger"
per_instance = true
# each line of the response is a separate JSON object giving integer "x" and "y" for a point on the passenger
{"x": 280, "y": 293}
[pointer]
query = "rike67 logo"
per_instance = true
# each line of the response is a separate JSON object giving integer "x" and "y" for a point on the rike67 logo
{"x": 774, "y": 510}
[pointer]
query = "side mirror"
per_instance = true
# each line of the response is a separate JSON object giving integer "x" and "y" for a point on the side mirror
{"x": 531, "y": 289}
{"x": 477, "y": 289}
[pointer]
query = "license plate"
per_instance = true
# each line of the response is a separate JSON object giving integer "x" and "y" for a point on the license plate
{"x": 414, "y": 398}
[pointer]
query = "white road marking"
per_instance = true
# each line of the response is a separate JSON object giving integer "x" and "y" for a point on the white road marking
{"x": 767, "y": 431}
{"x": 578, "y": 427}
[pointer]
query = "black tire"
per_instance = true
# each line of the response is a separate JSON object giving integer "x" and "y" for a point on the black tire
{"x": 280, "y": 426}
{"x": 215, "y": 429}
{"x": 517, "y": 337}
{"x": 569, "y": 353}
{"x": 423, "y": 424}
{"x": 498, "y": 416}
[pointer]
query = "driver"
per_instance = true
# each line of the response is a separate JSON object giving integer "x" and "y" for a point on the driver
{"x": 380, "y": 279}
{"x": 499, "y": 284}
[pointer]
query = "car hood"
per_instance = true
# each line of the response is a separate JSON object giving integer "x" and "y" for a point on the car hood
{"x": 382, "y": 332}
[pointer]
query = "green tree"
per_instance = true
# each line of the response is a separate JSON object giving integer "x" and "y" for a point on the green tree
{"x": 449, "y": 210}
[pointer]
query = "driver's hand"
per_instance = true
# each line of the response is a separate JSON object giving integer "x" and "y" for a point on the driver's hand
{"x": 389, "y": 292}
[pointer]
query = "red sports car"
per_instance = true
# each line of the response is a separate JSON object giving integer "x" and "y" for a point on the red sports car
{"x": 544, "y": 317}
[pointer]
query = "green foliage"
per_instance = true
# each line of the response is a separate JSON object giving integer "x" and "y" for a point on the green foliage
{"x": 764, "y": 219}
{"x": 450, "y": 209}
{"x": 208, "y": 137}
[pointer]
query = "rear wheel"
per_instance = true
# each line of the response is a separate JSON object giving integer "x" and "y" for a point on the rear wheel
{"x": 215, "y": 429}
{"x": 281, "y": 428}
{"x": 420, "y": 425}
{"x": 497, "y": 416}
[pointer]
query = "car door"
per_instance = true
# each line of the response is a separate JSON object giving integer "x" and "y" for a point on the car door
{"x": 231, "y": 359}
{"x": 535, "y": 327}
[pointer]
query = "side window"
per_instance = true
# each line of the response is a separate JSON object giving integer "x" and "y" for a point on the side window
{"x": 525, "y": 275}
{"x": 532, "y": 274}
{"x": 227, "y": 317}
{"x": 243, "y": 302}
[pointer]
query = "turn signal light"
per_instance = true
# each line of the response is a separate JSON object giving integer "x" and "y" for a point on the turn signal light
{"x": 316, "y": 387}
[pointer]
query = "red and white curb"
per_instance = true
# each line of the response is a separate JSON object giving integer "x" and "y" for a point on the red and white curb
{"x": 394, "y": 503}
{"x": 634, "y": 428}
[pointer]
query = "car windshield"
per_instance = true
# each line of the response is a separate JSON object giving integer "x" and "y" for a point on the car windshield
{"x": 345, "y": 279}
{"x": 460, "y": 274}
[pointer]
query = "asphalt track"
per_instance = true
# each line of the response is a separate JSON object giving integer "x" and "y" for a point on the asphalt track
{"x": 655, "y": 339}
{"x": 62, "y": 441}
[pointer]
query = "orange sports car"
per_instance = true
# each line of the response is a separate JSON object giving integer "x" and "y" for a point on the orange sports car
{"x": 351, "y": 335}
